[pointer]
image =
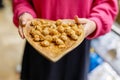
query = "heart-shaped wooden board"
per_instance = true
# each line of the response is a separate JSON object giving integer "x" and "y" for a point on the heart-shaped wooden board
{"x": 54, "y": 39}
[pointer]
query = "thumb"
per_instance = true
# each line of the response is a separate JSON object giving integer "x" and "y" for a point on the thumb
{"x": 24, "y": 18}
{"x": 80, "y": 20}
{"x": 23, "y": 22}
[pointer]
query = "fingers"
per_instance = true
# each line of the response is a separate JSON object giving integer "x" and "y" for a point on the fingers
{"x": 22, "y": 22}
{"x": 87, "y": 29}
{"x": 89, "y": 26}
{"x": 23, "y": 19}
{"x": 20, "y": 30}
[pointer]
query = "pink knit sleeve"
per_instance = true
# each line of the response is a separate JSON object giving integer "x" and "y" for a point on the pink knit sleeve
{"x": 103, "y": 12}
{"x": 20, "y": 7}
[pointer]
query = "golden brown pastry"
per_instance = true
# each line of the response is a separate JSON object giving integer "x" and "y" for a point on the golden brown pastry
{"x": 45, "y": 43}
{"x": 54, "y": 33}
{"x": 49, "y": 38}
{"x": 59, "y": 41}
{"x": 54, "y": 38}
{"x": 36, "y": 38}
{"x": 60, "y": 28}
{"x": 58, "y": 22}
{"x": 45, "y": 31}
{"x": 74, "y": 37}
{"x": 64, "y": 37}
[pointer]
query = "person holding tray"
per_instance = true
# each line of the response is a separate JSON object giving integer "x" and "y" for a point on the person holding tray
{"x": 97, "y": 16}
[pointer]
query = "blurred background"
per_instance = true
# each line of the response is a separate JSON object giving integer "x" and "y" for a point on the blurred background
{"x": 11, "y": 45}
{"x": 104, "y": 58}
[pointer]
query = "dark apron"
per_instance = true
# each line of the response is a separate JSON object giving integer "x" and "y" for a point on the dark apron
{"x": 73, "y": 66}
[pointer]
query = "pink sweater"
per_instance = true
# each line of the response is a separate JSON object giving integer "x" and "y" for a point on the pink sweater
{"x": 103, "y": 12}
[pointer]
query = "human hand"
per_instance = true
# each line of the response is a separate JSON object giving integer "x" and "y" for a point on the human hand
{"x": 89, "y": 25}
{"x": 22, "y": 22}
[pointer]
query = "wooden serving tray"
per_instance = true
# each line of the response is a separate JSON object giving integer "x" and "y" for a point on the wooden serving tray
{"x": 52, "y": 51}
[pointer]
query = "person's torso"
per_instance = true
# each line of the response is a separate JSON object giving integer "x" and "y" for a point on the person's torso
{"x": 60, "y": 9}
